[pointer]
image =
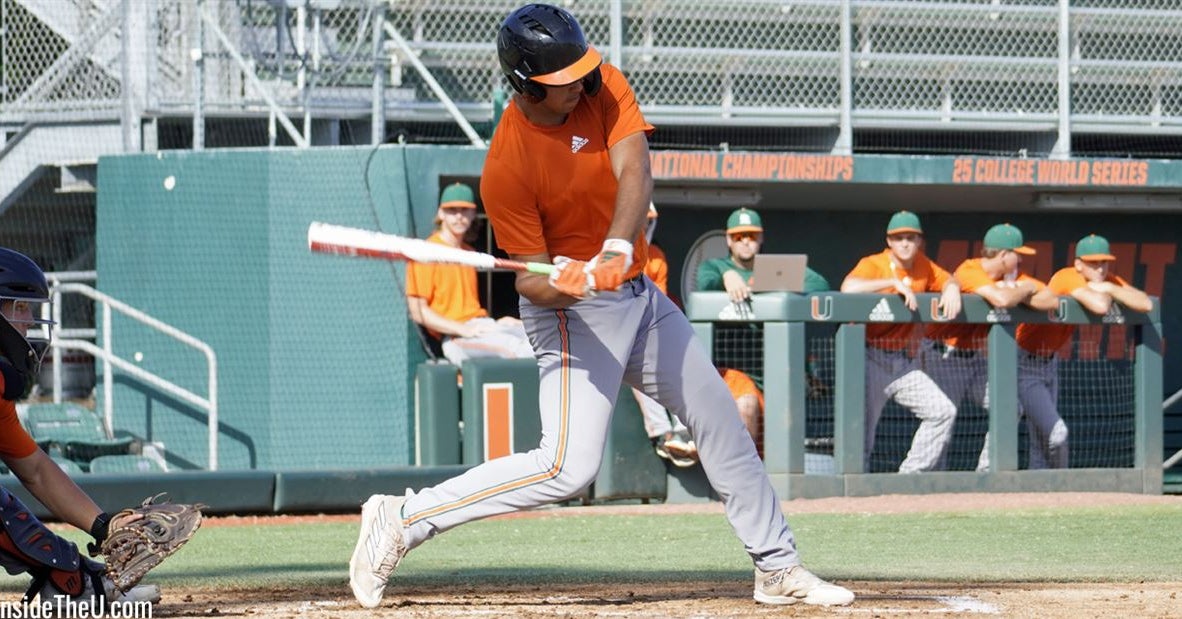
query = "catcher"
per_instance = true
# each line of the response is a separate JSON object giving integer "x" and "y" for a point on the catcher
{"x": 134, "y": 540}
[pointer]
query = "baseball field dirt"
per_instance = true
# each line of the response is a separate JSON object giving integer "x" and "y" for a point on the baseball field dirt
{"x": 713, "y": 599}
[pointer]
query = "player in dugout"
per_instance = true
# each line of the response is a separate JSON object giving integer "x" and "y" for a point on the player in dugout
{"x": 955, "y": 357}
{"x": 443, "y": 297}
{"x": 892, "y": 368}
{"x": 1090, "y": 281}
{"x": 567, "y": 180}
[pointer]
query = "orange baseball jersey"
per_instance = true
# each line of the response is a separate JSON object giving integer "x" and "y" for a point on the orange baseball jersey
{"x": 1046, "y": 339}
{"x": 925, "y": 276}
{"x": 449, "y": 289}
{"x": 657, "y": 268}
{"x": 565, "y": 206}
{"x": 972, "y": 277}
{"x": 740, "y": 384}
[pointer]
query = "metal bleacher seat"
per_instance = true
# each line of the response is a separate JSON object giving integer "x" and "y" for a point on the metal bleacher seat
{"x": 125, "y": 464}
{"x": 73, "y": 432}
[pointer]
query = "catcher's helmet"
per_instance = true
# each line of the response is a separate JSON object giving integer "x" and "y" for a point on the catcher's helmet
{"x": 21, "y": 282}
{"x": 543, "y": 44}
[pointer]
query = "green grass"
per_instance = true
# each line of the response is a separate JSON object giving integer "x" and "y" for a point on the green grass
{"x": 1123, "y": 544}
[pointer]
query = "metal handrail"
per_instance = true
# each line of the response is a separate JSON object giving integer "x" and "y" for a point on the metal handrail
{"x": 110, "y": 359}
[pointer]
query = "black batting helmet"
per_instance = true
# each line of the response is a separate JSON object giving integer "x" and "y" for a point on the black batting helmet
{"x": 21, "y": 280}
{"x": 543, "y": 44}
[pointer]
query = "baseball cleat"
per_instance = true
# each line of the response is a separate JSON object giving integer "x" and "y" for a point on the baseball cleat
{"x": 677, "y": 448}
{"x": 380, "y": 546}
{"x": 796, "y": 584}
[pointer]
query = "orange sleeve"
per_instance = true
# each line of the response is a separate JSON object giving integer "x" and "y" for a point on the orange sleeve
{"x": 1022, "y": 277}
{"x": 418, "y": 280}
{"x": 621, "y": 113}
{"x": 15, "y": 441}
{"x": 972, "y": 277}
{"x": 1065, "y": 281}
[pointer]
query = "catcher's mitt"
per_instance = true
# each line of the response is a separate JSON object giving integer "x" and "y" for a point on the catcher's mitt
{"x": 141, "y": 537}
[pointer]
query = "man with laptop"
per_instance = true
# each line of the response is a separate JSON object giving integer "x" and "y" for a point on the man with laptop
{"x": 744, "y": 271}
{"x": 893, "y": 369}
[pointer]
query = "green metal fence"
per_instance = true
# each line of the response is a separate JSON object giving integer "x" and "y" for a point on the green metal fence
{"x": 789, "y": 326}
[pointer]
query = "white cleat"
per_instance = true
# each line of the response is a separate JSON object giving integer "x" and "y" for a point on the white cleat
{"x": 796, "y": 584}
{"x": 380, "y": 546}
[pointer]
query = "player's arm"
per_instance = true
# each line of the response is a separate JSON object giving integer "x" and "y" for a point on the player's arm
{"x": 421, "y": 313}
{"x": 631, "y": 166}
{"x": 46, "y": 481}
{"x": 950, "y": 302}
{"x": 1006, "y": 297}
{"x": 1127, "y": 296}
{"x": 1043, "y": 299}
{"x": 537, "y": 287}
{"x": 710, "y": 276}
{"x": 867, "y": 285}
{"x": 1094, "y": 301}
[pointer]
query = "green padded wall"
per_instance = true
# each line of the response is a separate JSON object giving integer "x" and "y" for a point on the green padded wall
{"x": 315, "y": 352}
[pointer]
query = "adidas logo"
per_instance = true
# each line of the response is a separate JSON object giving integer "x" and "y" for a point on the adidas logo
{"x": 1113, "y": 316}
{"x": 577, "y": 142}
{"x": 998, "y": 314}
{"x": 882, "y": 312}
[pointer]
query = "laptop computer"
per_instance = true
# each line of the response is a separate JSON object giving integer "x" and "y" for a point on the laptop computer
{"x": 779, "y": 273}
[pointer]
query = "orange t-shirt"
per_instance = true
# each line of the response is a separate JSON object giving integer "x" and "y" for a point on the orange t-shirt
{"x": 449, "y": 289}
{"x": 740, "y": 384}
{"x": 1048, "y": 338}
{"x": 926, "y": 276}
{"x": 972, "y": 277}
{"x": 657, "y": 268}
{"x": 15, "y": 441}
{"x": 551, "y": 189}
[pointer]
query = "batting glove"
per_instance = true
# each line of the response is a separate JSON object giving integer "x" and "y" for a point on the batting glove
{"x": 572, "y": 277}
{"x": 611, "y": 265}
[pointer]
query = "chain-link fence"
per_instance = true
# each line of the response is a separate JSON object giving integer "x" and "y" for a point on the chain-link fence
{"x": 926, "y": 64}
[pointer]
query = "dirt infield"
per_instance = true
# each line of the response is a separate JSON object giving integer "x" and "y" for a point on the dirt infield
{"x": 713, "y": 599}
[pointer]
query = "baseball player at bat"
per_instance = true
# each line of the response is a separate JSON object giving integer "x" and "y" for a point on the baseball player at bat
{"x": 955, "y": 358}
{"x": 59, "y": 571}
{"x": 891, "y": 370}
{"x": 443, "y": 297}
{"x": 1091, "y": 282}
{"x": 567, "y": 179}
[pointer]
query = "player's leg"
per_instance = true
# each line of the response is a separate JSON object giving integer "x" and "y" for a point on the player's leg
{"x": 917, "y": 392}
{"x": 580, "y": 352}
{"x": 670, "y": 444}
{"x": 506, "y": 341}
{"x": 1038, "y": 386}
{"x": 670, "y": 364}
{"x": 878, "y": 376}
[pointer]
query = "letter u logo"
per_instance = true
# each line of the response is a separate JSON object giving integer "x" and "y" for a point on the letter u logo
{"x": 818, "y": 313}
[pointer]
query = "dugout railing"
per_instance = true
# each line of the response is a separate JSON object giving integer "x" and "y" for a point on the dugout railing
{"x": 786, "y": 331}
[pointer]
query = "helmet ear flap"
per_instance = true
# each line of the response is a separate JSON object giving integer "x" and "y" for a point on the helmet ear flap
{"x": 526, "y": 87}
{"x": 592, "y": 81}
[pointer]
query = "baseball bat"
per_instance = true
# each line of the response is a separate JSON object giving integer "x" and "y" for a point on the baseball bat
{"x": 341, "y": 240}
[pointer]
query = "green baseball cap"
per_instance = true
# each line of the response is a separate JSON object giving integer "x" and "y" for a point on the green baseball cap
{"x": 457, "y": 195}
{"x": 744, "y": 220}
{"x": 1007, "y": 236}
{"x": 1093, "y": 247}
{"x": 904, "y": 221}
